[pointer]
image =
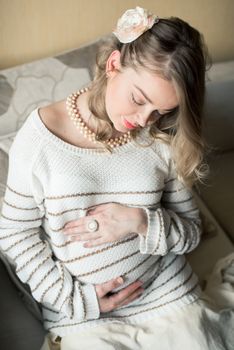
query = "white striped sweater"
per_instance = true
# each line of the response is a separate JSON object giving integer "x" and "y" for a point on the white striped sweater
{"x": 51, "y": 182}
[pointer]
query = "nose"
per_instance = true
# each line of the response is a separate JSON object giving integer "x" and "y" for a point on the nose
{"x": 142, "y": 119}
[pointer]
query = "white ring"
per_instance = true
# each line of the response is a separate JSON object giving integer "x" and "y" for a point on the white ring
{"x": 92, "y": 225}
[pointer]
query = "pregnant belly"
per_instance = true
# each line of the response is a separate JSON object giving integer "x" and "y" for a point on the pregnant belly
{"x": 109, "y": 261}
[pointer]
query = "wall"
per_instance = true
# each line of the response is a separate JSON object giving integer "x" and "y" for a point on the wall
{"x": 32, "y": 29}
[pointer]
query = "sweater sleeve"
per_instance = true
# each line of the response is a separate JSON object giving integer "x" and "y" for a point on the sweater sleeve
{"x": 175, "y": 226}
{"x": 20, "y": 239}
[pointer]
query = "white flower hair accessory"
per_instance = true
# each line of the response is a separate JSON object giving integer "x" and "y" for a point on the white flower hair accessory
{"x": 134, "y": 23}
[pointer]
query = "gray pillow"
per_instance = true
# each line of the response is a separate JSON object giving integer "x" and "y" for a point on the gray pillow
{"x": 3, "y": 173}
{"x": 41, "y": 82}
{"x": 219, "y": 115}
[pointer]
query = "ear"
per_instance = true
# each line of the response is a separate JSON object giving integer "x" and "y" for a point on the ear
{"x": 113, "y": 63}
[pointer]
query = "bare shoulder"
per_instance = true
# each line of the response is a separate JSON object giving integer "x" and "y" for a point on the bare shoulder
{"x": 57, "y": 121}
{"x": 53, "y": 115}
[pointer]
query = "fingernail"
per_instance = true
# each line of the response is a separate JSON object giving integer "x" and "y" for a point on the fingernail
{"x": 120, "y": 280}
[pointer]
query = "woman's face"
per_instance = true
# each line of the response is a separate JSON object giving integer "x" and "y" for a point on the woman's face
{"x": 136, "y": 99}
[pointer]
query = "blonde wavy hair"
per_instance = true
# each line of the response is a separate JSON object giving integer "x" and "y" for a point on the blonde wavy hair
{"x": 175, "y": 51}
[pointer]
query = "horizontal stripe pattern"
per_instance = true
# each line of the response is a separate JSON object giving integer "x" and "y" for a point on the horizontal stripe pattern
{"x": 47, "y": 188}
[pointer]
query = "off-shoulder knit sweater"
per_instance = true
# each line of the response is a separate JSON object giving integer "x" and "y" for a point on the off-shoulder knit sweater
{"x": 51, "y": 182}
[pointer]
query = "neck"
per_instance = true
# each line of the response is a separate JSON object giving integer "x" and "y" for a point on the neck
{"x": 84, "y": 124}
{"x": 86, "y": 114}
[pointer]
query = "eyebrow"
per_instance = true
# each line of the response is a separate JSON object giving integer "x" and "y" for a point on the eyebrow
{"x": 148, "y": 99}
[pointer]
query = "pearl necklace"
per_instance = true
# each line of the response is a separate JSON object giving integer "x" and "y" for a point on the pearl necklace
{"x": 77, "y": 120}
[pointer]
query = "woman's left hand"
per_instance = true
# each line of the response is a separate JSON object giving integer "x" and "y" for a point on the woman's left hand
{"x": 115, "y": 221}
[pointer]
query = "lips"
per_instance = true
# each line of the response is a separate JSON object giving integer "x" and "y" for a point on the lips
{"x": 128, "y": 125}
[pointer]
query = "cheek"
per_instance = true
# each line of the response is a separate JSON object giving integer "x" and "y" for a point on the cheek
{"x": 108, "y": 100}
{"x": 117, "y": 103}
{"x": 118, "y": 100}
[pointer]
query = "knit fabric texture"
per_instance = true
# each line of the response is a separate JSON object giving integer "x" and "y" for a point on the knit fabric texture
{"x": 51, "y": 182}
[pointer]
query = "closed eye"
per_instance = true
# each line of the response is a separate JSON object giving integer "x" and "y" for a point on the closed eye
{"x": 156, "y": 112}
{"x": 137, "y": 103}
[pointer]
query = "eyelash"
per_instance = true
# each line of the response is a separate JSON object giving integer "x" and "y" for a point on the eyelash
{"x": 141, "y": 104}
{"x": 155, "y": 112}
{"x": 137, "y": 103}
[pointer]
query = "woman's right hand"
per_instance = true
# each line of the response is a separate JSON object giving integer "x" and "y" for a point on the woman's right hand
{"x": 109, "y": 301}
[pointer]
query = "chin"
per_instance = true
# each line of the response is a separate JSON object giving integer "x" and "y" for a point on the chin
{"x": 118, "y": 127}
{"x": 121, "y": 129}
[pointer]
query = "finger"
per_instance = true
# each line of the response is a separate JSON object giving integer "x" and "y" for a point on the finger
{"x": 76, "y": 223}
{"x": 98, "y": 209}
{"x": 84, "y": 236}
{"x": 75, "y": 231}
{"x": 76, "y": 227}
{"x": 105, "y": 288}
{"x": 132, "y": 297}
{"x": 96, "y": 242}
{"x": 123, "y": 294}
{"x": 72, "y": 224}
{"x": 93, "y": 211}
